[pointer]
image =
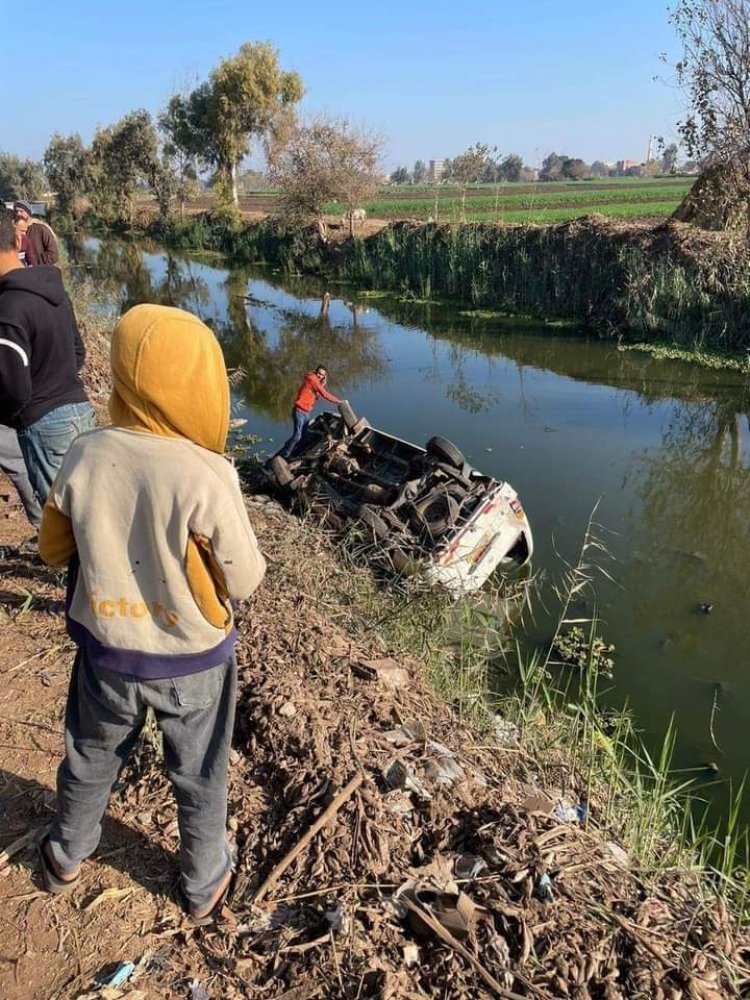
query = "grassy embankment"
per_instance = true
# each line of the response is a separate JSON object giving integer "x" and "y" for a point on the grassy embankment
{"x": 666, "y": 287}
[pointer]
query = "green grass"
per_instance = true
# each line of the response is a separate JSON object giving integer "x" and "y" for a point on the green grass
{"x": 649, "y": 283}
{"x": 610, "y": 210}
{"x": 537, "y": 199}
{"x": 541, "y": 202}
{"x": 705, "y": 358}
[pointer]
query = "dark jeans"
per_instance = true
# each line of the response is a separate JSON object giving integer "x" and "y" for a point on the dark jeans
{"x": 45, "y": 443}
{"x": 300, "y": 419}
{"x": 103, "y": 719}
{"x": 13, "y": 465}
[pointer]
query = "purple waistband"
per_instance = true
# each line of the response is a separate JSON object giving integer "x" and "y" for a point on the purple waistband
{"x": 149, "y": 666}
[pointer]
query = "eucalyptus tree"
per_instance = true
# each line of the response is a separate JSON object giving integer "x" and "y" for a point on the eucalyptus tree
{"x": 246, "y": 98}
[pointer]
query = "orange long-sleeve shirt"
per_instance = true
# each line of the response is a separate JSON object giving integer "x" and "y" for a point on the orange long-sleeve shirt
{"x": 311, "y": 390}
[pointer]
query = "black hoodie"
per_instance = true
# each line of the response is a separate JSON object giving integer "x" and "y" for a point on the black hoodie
{"x": 41, "y": 351}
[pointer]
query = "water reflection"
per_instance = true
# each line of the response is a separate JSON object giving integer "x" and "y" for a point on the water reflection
{"x": 270, "y": 344}
{"x": 127, "y": 273}
{"x": 272, "y": 362}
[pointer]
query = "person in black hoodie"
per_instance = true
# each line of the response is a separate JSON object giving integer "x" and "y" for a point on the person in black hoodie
{"x": 41, "y": 354}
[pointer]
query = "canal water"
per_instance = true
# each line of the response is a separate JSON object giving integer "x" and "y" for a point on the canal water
{"x": 663, "y": 449}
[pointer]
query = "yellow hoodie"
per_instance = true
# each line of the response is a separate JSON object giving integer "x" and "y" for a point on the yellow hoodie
{"x": 149, "y": 511}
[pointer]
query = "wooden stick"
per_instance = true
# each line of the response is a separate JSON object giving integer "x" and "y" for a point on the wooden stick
{"x": 447, "y": 938}
{"x": 16, "y": 846}
{"x": 325, "y": 818}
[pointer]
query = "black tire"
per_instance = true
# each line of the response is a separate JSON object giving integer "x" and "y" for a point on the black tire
{"x": 281, "y": 471}
{"x": 373, "y": 521}
{"x": 445, "y": 451}
{"x": 348, "y": 415}
{"x": 438, "y": 511}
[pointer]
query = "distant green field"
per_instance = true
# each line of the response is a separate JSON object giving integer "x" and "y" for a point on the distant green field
{"x": 616, "y": 197}
{"x": 620, "y": 210}
{"x": 619, "y": 197}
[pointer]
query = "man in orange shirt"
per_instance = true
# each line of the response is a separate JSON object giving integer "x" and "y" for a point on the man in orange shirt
{"x": 312, "y": 389}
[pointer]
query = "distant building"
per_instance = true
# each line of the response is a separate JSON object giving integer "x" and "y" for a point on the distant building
{"x": 436, "y": 171}
{"x": 624, "y": 165}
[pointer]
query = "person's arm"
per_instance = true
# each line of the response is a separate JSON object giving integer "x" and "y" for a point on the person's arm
{"x": 78, "y": 344}
{"x": 56, "y": 539}
{"x": 57, "y": 542}
{"x": 15, "y": 371}
{"x": 320, "y": 390}
{"x": 50, "y": 254}
{"x": 234, "y": 549}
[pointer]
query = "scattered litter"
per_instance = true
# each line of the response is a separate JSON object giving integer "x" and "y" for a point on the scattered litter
{"x": 618, "y": 853}
{"x": 567, "y": 812}
{"x": 411, "y": 954}
{"x": 544, "y": 886}
{"x": 118, "y": 977}
{"x": 411, "y": 732}
{"x": 288, "y": 710}
{"x": 339, "y": 919}
{"x": 454, "y": 911}
{"x": 444, "y": 771}
{"x": 468, "y": 866}
{"x": 399, "y": 775}
{"x": 398, "y": 803}
{"x": 196, "y": 991}
{"x": 537, "y": 801}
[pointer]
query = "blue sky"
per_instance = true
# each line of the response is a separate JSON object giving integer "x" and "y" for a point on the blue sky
{"x": 432, "y": 77}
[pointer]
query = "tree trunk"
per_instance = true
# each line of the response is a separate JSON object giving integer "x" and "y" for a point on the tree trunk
{"x": 233, "y": 182}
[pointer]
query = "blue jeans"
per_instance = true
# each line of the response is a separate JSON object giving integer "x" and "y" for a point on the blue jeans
{"x": 45, "y": 443}
{"x": 13, "y": 465}
{"x": 300, "y": 420}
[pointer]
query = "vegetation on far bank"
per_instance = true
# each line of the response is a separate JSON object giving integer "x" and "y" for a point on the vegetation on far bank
{"x": 663, "y": 284}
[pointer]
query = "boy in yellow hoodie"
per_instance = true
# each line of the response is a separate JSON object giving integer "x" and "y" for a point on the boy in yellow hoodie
{"x": 149, "y": 517}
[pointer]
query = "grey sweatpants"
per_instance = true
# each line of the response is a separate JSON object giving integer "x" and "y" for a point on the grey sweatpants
{"x": 13, "y": 465}
{"x": 103, "y": 718}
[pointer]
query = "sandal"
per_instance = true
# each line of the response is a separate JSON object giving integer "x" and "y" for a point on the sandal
{"x": 52, "y": 882}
